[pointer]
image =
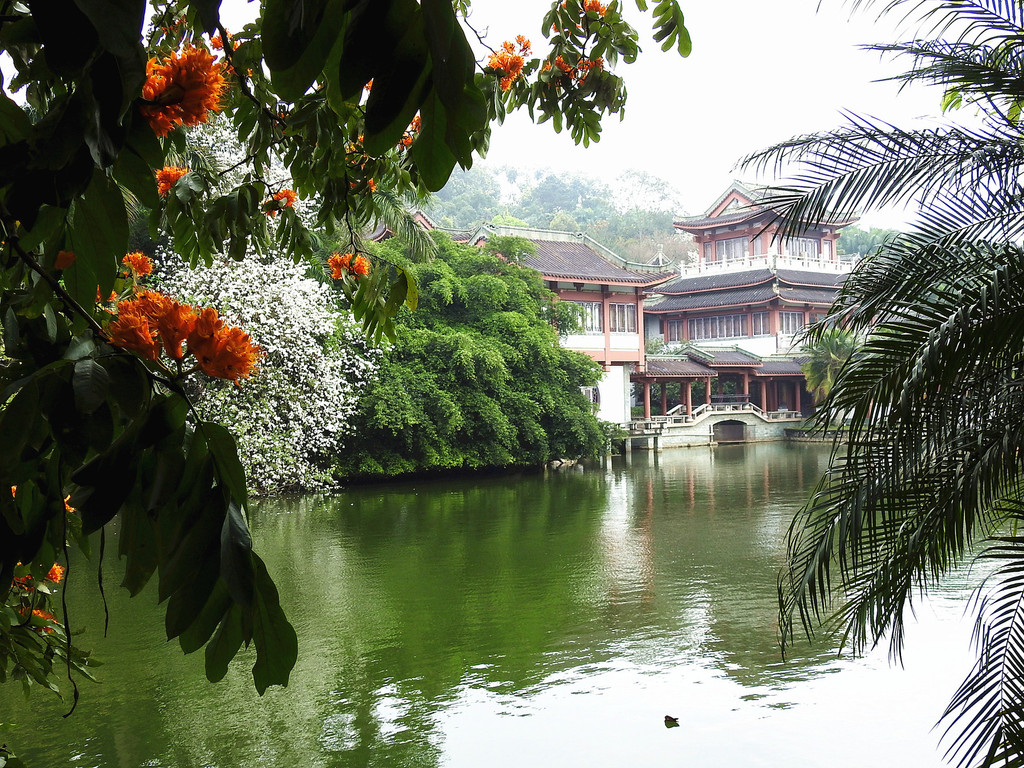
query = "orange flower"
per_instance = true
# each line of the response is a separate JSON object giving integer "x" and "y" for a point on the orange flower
{"x": 131, "y": 330}
{"x": 360, "y": 265}
{"x": 167, "y": 177}
{"x": 372, "y": 185}
{"x": 339, "y": 264}
{"x": 182, "y": 90}
{"x": 222, "y": 351}
{"x": 593, "y": 5}
{"x": 138, "y": 263}
{"x": 284, "y": 199}
{"x": 508, "y": 62}
{"x": 56, "y": 574}
{"x": 411, "y": 132}
{"x": 173, "y": 324}
{"x": 64, "y": 259}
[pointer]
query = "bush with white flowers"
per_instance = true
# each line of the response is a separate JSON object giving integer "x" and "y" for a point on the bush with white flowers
{"x": 291, "y": 418}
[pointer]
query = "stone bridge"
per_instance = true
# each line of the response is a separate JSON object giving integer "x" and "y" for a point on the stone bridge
{"x": 711, "y": 424}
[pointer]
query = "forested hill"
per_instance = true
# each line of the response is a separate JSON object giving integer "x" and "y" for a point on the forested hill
{"x": 632, "y": 216}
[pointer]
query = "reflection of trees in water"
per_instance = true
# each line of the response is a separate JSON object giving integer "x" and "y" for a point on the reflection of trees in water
{"x": 408, "y": 598}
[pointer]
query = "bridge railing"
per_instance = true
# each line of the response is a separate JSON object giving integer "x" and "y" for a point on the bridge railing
{"x": 677, "y": 416}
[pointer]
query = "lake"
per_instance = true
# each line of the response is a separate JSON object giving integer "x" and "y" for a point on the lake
{"x": 530, "y": 620}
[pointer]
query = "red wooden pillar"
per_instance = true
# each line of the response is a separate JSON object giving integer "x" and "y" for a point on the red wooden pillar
{"x": 796, "y": 400}
{"x": 764, "y": 395}
{"x": 689, "y": 397}
{"x": 647, "y": 399}
{"x": 746, "y": 383}
{"x": 707, "y": 391}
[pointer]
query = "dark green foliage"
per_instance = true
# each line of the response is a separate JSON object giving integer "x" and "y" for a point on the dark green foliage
{"x": 476, "y": 379}
{"x": 934, "y": 463}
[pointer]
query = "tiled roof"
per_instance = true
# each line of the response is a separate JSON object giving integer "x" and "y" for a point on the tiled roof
{"x": 684, "y": 367}
{"x": 780, "y": 366}
{"x": 577, "y": 261}
{"x": 736, "y": 216}
{"x": 799, "y": 277}
{"x": 716, "y": 281}
{"x": 758, "y": 294}
{"x": 733, "y": 356}
{"x": 801, "y": 295}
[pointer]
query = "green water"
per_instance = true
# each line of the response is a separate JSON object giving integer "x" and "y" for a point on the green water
{"x": 535, "y": 620}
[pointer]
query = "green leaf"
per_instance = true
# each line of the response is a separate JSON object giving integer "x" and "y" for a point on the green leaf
{"x": 277, "y": 646}
{"x": 298, "y": 38}
{"x": 400, "y": 85}
{"x": 225, "y": 454}
{"x": 224, "y": 645}
{"x": 98, "y": 236}
{"x": 137, "y": 544}
{"x": 434, "y": 160}
{"x": 17, "y": 421}
{"x": 91, "y": 383}
{"x": 199, "y": 631}
{"x": 236, "y": 557}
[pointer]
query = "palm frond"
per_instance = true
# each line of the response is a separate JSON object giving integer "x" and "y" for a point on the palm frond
{"x": 933, "y": 398}
{"x": 986, "y": 714}
{"x": 391, "y": 211}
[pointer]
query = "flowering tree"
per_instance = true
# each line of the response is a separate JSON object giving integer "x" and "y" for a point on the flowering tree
{"x": 291, "y": 419}
{"x": 96, "y": 376}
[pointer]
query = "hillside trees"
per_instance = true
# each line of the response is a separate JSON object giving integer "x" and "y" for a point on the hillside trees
{"x": 475, "y": 378}
{"x": 96, "y": 408}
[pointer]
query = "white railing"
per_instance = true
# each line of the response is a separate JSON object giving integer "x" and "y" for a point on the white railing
{"x": 767, "y": 261}
{"x": 657, "y": 424}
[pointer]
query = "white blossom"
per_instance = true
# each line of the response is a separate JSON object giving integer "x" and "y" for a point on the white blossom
{"x": 291, "y": 418}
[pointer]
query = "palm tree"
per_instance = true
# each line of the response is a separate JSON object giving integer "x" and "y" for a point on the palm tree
{"x": 828, "y": 350}
{"x": 934, "y": 465}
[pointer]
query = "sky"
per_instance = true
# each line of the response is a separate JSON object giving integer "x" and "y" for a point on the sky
{"x": 760, "y": 72}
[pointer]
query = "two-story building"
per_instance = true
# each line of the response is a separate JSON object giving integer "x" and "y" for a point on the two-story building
{"x": 732, "y": 320}
{"x": 610, "y": 292}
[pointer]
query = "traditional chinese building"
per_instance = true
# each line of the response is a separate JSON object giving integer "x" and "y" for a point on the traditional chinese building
{"x": 610, "y": 292}
{"x": 731, "y": 322}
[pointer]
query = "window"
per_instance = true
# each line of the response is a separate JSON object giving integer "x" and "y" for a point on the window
{"x": 790, "y": 322}
{"x": 590, "y": 316}
{"x": 802, "y": 247}
{"x": 827, "y": 249}
{"x": 674, "y": 332}
{"x": 733, "y": 248}
{"x": 707, "y": 251}
{"x": 720, "y": 327}
{"x": 622, "y": 318}
{"x": 759, "y": 323}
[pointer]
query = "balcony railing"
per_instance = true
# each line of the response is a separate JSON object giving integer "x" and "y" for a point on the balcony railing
{"x": 768, "y": 261}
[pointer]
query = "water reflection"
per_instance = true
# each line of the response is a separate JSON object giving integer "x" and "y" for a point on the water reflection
{"x": 509, "y": 621}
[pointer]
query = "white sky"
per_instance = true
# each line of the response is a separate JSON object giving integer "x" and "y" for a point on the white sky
{"x": 760, "y": 72}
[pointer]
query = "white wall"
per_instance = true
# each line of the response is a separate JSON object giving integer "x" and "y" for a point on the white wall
{"x": 614, "y": 392}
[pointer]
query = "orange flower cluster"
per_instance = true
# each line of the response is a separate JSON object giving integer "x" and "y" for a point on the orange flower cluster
{"x": 411, "y": 132}
{"x": 55, "y": 575}
{"x": 138, "y": 263}
{"x": 64, "y": 259}
{"x": 151, "y": 321}
{"x": 508, "y": 61}
{"x": 358, "y": 266}
{"x": 182, "y": 90}
{"x": 580, "y": 71}
{"x": 217, "y": 43}
{"x": 167, "y": 177}
{"x": 593, "y": 5}
{"x": 284, "y": 199}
